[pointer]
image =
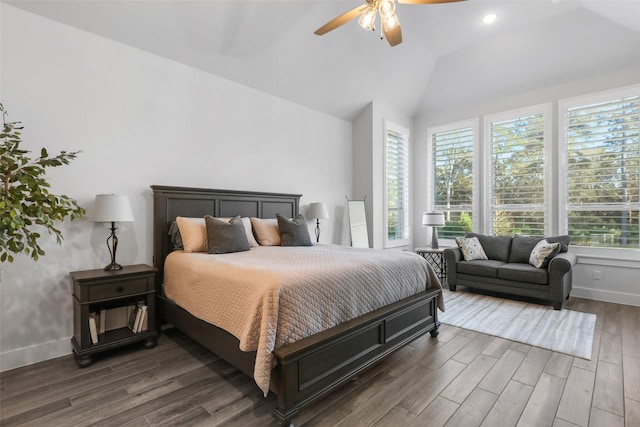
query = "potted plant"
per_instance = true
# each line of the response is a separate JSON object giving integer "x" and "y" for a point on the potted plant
{"x": 26, "y": 205}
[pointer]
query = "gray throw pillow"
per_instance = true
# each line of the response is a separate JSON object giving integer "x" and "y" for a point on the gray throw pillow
{"x": 543, "y": 253}
{"x": 563, "y": 240}
{"x": 225, "y": 237}
{"x": 496, "y": 247}
{"x": 293, "y": 232}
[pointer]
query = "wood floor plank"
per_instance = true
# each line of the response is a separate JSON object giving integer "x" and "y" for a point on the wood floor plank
{"x": 497, "y": 378}
{"x": 608, "y": 393}
{"x": 559, "y": 365}
{"x": 576, "y": 397}
{"x": 497, "y": 347}
{"x": 436, "y": 414}
{"x": 600, "y": 418}
{"x": 532, "y": 366}
{"x": 631, "y": 413}
{"x": 509, "y": 406}
{"x": 611, "y": 348}
{"x": 468, "y": 379}
{"x": 473, "y": 410}
{"x": 541, "y": 408}
{"x": 631, "y": 370}
{"x": 474, "y": 348}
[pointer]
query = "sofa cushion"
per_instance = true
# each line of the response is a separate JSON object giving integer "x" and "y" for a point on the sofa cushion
{"x": 486, "y": 268}
{"x": 521, "y": 248}
{"x": 471, "y": 248}
{"x": 526, "y": 273}
{"x": 496, "y": 247}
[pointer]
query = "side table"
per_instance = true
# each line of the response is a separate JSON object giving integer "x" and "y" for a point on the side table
{"x": 435, "y": 257}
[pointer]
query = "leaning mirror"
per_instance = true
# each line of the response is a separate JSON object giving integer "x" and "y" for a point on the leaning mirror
{"x": 358, "y": 224}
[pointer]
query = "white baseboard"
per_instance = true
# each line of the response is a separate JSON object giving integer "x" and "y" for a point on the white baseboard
{"x": 607, "y": 296}
{"x": 36, "y": 353}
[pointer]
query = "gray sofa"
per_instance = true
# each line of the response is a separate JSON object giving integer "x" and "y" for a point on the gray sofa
{"x": 507, "y": 269}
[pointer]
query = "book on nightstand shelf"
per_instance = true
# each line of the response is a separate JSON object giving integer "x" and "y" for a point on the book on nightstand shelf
{"x": 93, "y": 328}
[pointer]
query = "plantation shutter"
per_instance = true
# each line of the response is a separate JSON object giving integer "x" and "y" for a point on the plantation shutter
{"x": 397, "y": 186}
{"x": 452, "y": 154}
{"x": 603, "y": 191}
{"x": 517, "y": 175}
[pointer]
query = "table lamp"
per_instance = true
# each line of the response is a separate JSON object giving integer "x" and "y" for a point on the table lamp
{"x": 112, "y": 208}
{"x": 433, "y": 220}
{"x": 318, "y": 211}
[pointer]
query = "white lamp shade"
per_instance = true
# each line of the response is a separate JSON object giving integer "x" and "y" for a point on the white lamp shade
{"x": 111, "y": 208}
{"x": 433, "y": 219}
{"x": 318, "y": 210}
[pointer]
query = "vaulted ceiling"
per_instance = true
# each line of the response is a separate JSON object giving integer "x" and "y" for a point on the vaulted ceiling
{"x": 448, "y": 55}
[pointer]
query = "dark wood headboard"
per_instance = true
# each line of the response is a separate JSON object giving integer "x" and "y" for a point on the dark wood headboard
{"x": 170, "y": 202}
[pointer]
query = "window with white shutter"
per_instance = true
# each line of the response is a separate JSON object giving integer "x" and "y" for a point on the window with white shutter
{"x": 397, "y": 185}
{"x": 452, "y": 159}
{"x": 517, "y": 178}
{"x": 600, "y": 136}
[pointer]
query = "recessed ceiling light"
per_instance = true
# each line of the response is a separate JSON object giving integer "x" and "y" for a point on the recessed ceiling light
{"x": 490, "y": 18}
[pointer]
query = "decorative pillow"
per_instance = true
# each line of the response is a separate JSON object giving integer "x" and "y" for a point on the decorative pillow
{"x": 293, "y": 232}
{"x": 176, "y": 238}
{"x": 471, "y": 248}
{"x": 247, "y": 228}
{"x": 563, "y": 240}
{"x": 266, "y": 231}
{"x": 194, "y": 234}
{"x": 542, "y": 253}
{"x": 224, "y": 237}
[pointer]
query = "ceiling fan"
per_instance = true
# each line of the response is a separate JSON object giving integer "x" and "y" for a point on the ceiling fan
{"x": 368, "y": 12}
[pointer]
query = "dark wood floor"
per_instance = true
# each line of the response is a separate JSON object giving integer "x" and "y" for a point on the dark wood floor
{"x": 462, "y": 378}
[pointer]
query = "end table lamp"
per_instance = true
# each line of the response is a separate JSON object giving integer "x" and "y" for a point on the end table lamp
{"x": 318, "y": 211}
{"x": 433, "y": 220}
{"x": 112, "y": 208}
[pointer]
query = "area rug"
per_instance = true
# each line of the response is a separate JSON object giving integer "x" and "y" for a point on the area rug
{"x": 564, "y": 331}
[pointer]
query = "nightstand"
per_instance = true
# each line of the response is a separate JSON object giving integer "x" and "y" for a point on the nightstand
{"x": 435, "y": 257}
{"x": 112, "y": 295}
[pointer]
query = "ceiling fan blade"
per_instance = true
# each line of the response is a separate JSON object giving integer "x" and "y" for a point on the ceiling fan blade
{"x": 427, "y": 1}
{"x": 393, "y": 36}
{"x": 341, "y": 20}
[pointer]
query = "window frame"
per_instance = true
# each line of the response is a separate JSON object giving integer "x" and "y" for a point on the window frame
{"x": 563, "y": 156}
{"x": 546, "y": 111}
{"x": 406, "y": 240}
{"x": 474, "y": 124}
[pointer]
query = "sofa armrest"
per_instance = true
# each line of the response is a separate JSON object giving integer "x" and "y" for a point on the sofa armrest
{"x": 560, "y": 272}
{"x": 452, "y": 257}
{"x": 562, "y": 263}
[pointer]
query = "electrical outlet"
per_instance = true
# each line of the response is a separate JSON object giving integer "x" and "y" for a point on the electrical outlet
{"x": 597, "y": 275}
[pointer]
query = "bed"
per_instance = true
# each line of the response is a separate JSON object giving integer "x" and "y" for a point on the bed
{"x": 311, "y": 367}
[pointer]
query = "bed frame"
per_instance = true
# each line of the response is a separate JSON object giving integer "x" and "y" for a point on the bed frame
{"x": 312, "y": 367}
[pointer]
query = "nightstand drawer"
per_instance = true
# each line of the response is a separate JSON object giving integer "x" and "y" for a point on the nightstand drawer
{"x": 117, "y": 289}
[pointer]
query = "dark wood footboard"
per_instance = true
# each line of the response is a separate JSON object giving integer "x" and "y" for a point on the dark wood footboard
{"x": 310, "y": 368}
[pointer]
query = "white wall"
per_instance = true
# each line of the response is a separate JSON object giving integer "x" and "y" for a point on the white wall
{"x": 139, "y": 120}
{"x": 619, "y": 269}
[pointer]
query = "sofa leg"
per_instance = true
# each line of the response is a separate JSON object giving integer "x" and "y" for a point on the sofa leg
{"x": 452, "y": 288}
{"x": 557, "y": 305}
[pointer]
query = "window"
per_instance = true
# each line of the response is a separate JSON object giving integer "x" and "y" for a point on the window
{"x": 452, "y": 160}
{"x": 602, "y": 175}
{"x": 397, "y": 185}
{"x": 517, "y": 177}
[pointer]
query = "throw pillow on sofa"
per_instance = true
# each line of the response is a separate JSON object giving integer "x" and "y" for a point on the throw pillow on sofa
{"x": 542, "y": 253}
{"x": 471, "y": 248}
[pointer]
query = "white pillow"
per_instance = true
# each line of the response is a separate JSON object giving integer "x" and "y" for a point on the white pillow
{"x": 471, "y": 248}
{"x": 266, "y": 231}
{"x": 193, "y": 232}
{"x": 542, "y": 253}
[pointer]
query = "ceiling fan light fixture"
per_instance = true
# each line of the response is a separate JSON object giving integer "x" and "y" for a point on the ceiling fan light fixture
{"x": 387, "y": 8}
{"x": 368, "y": 19}
{"x": 390, "y": 22}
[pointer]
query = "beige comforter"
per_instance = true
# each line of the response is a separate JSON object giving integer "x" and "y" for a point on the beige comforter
{"x": 272, "y": 296}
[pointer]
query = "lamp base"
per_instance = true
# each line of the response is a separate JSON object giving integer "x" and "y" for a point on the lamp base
{"x": 113, "y": 266}
{"x": 434, "y": 238}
